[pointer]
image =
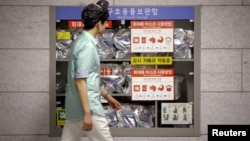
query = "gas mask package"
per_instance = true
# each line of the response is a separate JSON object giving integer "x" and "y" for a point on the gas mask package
{"x": 130, "y": 116}
{"x": 183, "y": 43}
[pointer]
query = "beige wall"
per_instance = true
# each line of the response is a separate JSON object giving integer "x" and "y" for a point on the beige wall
{"x": 24, "y": 65}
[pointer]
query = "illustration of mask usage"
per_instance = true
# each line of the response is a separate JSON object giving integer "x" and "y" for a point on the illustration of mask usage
{"x": 147, "y": 63}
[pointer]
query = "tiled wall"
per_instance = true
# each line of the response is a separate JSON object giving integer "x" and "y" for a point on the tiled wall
{"x": 24, "y": 65}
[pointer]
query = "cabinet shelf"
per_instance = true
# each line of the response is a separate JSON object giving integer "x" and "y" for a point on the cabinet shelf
{"x": 60, "y": 94}
{"x": 142, "y": 132}
{"x": 126, "y": 60}
{"x": 114, "y": 95}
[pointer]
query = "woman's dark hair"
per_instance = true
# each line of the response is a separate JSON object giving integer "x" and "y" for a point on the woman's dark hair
{"x": 93, "y": 13}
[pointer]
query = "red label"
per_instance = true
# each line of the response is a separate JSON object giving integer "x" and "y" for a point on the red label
{"x": 151, "y": 72}
{"x": 106, "y": 71}
{"x": 75, "y": 24}
{"x": 109, "y": 24}
{"x": 152, "y": 24}
{"x": 79, "y": 24}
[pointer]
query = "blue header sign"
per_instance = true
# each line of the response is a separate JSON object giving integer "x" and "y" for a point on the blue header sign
{"x": 133, "y": 13}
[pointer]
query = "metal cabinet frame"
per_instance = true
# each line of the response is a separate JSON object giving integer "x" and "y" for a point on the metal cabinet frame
{"x": 133, "y": 132}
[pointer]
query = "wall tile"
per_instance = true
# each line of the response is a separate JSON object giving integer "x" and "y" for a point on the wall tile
{"x": 156, "y": 2}
{"x": 24, "y": 138}
{"x": 220, "y": 81}
{"x": 221, "y": 60}
{"x": 221, "y": 70}
{"x": 24, "y": 70}
{"x": 246, "y": 2}
{"x": 76, "y": 2}
{"x": 246, "y": 70}
{"x": 24, "y": 2}
{"x": 24, "y": 113}
{"x": 121, "y": 2}
{"x": 55, "y": 139}
{"x": 49, "y": 2}
{"x": 221, "y": 2}
{"x": 224, "y": 108}
{"x": 25, "y": 27}
{"x": 225, "y": 26}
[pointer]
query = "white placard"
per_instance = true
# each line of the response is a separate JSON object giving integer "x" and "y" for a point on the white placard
{"x": 176, "y": 113}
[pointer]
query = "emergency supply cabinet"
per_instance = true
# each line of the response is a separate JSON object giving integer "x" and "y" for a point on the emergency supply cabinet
{"x": 150, "y": 62}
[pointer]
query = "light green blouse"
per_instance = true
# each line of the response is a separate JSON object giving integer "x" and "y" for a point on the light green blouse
{"x": 84, "y": 62}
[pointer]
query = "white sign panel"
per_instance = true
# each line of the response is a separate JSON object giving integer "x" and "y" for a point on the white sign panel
{"x": 176, "y": 113}
{"x": 152, "y": 84}
{"x": 152, "y": 36}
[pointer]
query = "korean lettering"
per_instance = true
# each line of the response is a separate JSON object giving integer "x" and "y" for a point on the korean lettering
{"x": 160, "y": 60}
{"x": 147, "y": 60}
{"x": 106, "y": 71}
{"x": 153, "y": 60}
{"x": 169, "y": 72}
{"x": 167, "y": 60}
{"x": 154, "y": 11}
{"x": 79, "y": 24}
{"x": 117, "y": 11}
{"x": 136, "y": 60}
{"x": 125, "y": 11}
{"x": 73, "y": 24}
{"x": 110, "y": 11}
{"x": 140, "y": 71}
{"x": 132, "y": 11}
{"x": 139, "y": 11}
{"x": 147, "y": 11}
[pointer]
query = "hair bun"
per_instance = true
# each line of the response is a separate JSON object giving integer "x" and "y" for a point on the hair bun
{"x": 103, "y": 3}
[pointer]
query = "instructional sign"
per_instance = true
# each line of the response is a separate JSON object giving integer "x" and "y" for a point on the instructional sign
{"x": 152, "y": 36}
{"x": 63, "y": 35}
{"x": 176, "y": 113}
{"x": 79, "y": 24}
{"x": 60, "y": 118}
{"x": 152, "y": 84}
{"x": 131, "y": 13}
{"x": 154, "y": 60}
